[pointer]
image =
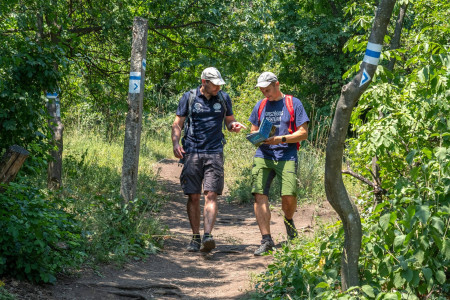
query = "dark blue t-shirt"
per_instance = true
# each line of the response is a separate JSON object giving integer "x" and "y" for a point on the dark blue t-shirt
{"x": 277, "y": 113}
{"x": 207, "y": 120}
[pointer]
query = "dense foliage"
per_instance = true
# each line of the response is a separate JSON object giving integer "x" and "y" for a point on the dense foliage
{"x": 402, "y": 120}
{"x": 82, "y": 50}
{"x": 38, "y": 237}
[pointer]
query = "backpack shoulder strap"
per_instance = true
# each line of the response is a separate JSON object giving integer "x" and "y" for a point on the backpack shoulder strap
{"x": 222, "y": 102}
{"x": 261, "y": 107}
{"x": 290, "y": 107}
{"x": 188, "y": 121}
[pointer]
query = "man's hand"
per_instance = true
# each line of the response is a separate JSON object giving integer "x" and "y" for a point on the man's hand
{"x": 236, "y": 127}
{"x": 178, "y": 151}
{"x": 273, "y": 140}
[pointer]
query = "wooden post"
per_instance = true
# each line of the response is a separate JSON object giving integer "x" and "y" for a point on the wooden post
{"x": 54, "y": 170}
{"x": 11, "y": 163}
{"x": 134, "y": 117}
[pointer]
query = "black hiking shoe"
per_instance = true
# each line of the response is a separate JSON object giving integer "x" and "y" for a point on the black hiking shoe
{"x": 194, "y": 246}
{"x": 208, "y": 244}
{"x": 290, "y": 229}
{"x": 266, "y": 246}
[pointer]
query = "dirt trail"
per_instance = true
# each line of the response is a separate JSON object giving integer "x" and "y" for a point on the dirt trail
{"x": 173, "y": 273}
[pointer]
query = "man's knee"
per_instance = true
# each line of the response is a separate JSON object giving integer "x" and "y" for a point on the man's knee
{"x": 261, "y": 198}
{"x": 194, "y": 198}
{"x": 210, "y": 196}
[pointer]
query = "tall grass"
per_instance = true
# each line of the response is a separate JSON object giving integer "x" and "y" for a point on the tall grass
{"x": 91, "y": 173}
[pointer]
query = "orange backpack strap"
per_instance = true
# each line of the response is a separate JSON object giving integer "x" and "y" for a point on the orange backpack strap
{"x": 290, "y": 107}
{"x": 261, "y": 107}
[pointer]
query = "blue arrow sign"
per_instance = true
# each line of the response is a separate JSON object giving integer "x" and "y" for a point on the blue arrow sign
{"x": 364, "y": 78}
{"x": 134, "y": 86}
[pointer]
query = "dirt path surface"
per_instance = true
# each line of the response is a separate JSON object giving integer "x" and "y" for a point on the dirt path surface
{"x": 173, "y": 273}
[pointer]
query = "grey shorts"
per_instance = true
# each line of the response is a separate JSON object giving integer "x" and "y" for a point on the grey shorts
{"x": 206, "y": 168}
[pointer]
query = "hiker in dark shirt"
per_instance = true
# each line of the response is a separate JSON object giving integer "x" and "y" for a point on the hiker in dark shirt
{"x": 204, "y": 109}
{"x": 277, "y": 156}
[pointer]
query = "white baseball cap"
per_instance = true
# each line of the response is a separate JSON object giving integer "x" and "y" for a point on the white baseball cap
{"x": 213, "y": 75}
{"x": 265, "y": 79}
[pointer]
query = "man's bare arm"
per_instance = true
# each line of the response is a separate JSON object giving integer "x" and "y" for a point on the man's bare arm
{"x": 177, "y": 126}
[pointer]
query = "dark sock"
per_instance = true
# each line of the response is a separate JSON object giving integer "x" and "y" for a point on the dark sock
{"x": 207, "y": 235}
{"x": 290, "y": 221}
{"x": 196, "y": 237}
{"x": 267, "y": 237}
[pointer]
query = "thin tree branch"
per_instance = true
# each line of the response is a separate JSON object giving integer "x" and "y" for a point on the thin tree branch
{"x": 359, "y": 177}
{"x": 184, "y": 25}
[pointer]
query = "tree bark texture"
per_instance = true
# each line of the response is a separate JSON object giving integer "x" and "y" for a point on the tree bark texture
{"x": 134, "y": 117}
{"x": 334, "y": 186}
{"x": 54, "y": 168}
{"x": 395, "y": 42}
{"x": 11, "y": 163}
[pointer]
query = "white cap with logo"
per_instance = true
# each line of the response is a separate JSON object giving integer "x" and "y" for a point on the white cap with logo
{"x": 265, "y": 79}
{"x": 213, "y": 75}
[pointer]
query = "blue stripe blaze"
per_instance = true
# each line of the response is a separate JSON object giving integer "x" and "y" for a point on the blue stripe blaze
{"x": 372, "y": 53}
{"x": 135, "y": 77}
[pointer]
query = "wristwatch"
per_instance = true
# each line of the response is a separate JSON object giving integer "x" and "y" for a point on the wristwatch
{"x": 283, "y": 139}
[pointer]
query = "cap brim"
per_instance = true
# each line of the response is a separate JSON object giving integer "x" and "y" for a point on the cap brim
{"x": 217, "y": 81}
{"x": 263, "y": 84}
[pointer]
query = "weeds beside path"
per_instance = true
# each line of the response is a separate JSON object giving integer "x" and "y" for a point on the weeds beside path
{"x": 173, "y": 273}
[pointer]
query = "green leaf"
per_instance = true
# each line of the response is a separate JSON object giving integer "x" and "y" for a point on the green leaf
{"x": 427, "y": 273}
{"x": 446, "y": 248}
{"x": 441, "y": 153}
{"x": 322, "y": 285}
{"x": 384, "y": 221}
{"x": 368, "y": 290}
{"x": 407, "y": 274}
{"x": 398, "y": 280}
{"x": 410, "y": 156}
{"x": 419, "y": 255}
{"x": 383, "y": 269}
{"x": 380, "y": 206}
{"x": 423, "y": 213}
{"x": 392, "y": 296}
{"x": 398, "y": 241}
{"x": 440, "y": 276}
{"x": 416, "y": 278}
{"x": 438, "y": 224}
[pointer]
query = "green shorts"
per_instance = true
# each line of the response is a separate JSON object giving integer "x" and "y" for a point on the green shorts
{"x": 265, "y": 170}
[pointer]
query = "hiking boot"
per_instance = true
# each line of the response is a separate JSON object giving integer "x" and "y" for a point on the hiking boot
{"x": 290, "y": 229}
{"x": 266, "y": 246}
{"x": 194, "y": 246}
{"x": 208, "y": 244}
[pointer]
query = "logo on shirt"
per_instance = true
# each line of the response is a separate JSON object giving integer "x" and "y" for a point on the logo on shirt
{"x": 198, "y": 108}
{"x": 217, "y": 107}
{"x": 274, "y": 117}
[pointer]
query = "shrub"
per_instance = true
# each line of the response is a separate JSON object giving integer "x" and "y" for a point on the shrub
{"x": 38, "y": 237}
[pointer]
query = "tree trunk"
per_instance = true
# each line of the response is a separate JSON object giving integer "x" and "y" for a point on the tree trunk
{"x": 54, "y": 170}
{"x": 11, "y": 163}
{"x": 334, "y": 185}
{"x": 395, "y": 42}
{"x": 134, "y": 117}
